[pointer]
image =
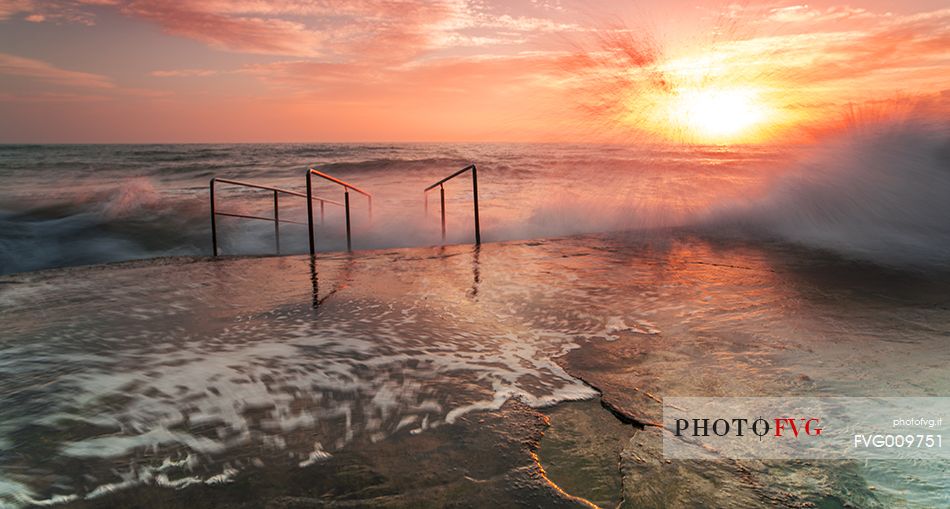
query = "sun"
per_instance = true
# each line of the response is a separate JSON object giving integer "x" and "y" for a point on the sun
{"x": 717, "y": 115}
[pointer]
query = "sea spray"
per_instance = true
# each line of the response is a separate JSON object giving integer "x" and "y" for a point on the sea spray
{"x": 860, "y": 194}
{"x": 129, "y": 220}
{"x": 879, "y": 192}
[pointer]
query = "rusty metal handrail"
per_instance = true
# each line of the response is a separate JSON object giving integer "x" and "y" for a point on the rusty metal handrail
{"x": 441, "y": 185}
{"x": 346, "y": 205}
{"x": 276, "y": 219}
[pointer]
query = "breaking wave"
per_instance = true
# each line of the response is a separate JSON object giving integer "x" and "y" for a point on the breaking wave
{"x": 130, "y": 221}
{"x": 880, "y": 192}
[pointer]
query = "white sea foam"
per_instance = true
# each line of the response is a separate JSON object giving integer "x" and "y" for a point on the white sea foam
{"x": 382, "y": 367}
{"x": 317, "y": 455}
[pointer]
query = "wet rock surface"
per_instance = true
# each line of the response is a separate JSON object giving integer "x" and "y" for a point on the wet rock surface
{"x": 411, "y": 378}
{"x": 581, "y": 451}
{"x": 484, "y": 460}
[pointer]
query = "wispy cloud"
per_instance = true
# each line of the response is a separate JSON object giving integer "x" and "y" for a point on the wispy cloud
{"x": 806, "y": 14}
{"x": 60, "y": 11}
{"x": 458, "y": 74}
{"x": 184, "y": 73}
{"x": 881, "y": 43}
{"x": 808, "y": 67}
{"x": 243, "y": 33}
{"x": 12, "y": 65}
{"x": 325, "y": 29}
{"x": 10, "y": 8}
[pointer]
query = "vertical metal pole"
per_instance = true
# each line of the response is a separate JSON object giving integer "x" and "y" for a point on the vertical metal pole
{"x": 276, "y": 223}
{"x": 310, "y": 211}
{"x": 314, "y": 282}
{"x": 478, "y": 230}
{"x": 346, "y": 205}
{"x": 476, "y": 271}
{"x": 214, "y": 229}
{"x": 425, "y": 196}
{"x": 442, "y": 197}
{"x": 322, "y": 203}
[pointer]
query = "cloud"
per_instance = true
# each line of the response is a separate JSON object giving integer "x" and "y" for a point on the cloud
{"x": 251, "y": 34}
{"x": 184, "y": 73}
{"x": 50, "y": 97}
{"x": 377, "y": 57}
{"x": 12, "y": 65}
{"x": 10, "y": 8}
{"x": 807, "y": 68}
{"x": 913, "y": 44}
{"x": 806, "y": 14}
{"x": 355, "y": 80}
{"x": 620, "y": 69}
{"x": 61, "y": 11}
{"x": 331, "y": 30}
{"x": 798, "y": 14}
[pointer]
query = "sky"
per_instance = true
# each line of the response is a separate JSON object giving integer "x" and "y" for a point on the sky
{"x": 127, "y": 71}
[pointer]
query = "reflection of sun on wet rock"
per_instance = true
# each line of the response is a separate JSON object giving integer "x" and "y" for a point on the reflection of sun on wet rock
{"x": 615, "y": 324}
{"x": 636, "y": 371}
{"x": 621, "y": 370}
{"x": 580, "y": 451}
{"x": 650, "y": 481}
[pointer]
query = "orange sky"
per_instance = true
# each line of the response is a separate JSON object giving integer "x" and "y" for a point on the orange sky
{"x": 457, "y": 70}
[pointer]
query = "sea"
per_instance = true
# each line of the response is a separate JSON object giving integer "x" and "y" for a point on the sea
{"x": 878, "y": 193}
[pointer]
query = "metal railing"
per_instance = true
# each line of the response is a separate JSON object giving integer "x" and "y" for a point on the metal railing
{"x": 441, "y": 185}
{"x": 276, "y": 219}
{"x": 346, "y": 204}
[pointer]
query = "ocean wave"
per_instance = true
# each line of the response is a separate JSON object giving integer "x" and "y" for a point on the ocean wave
{"x": 131, "y": 221}
{"x": 393, "y": 165}
{"x": 878, "y": 192}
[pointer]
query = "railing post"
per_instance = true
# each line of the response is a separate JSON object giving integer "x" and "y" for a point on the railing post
{"x": 441, "y": 184}
{"x": 322, "y": 203}
{"x": 214, "y": 229}
{"x": 310, "y": 212}
{"x": 478, "y": 231}
{"x": 346, "y": 206}
{"x": 276, "y": 223}
{"x": 442, "y": 201}
{"x": 314, "y": 282}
